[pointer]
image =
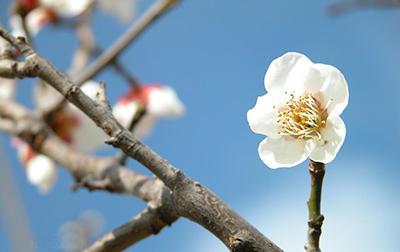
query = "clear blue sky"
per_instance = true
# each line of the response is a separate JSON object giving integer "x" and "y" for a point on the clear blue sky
{"x": 215, "y": 54}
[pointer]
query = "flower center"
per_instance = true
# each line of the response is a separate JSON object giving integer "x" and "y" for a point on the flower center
{"x": 302, "y": 117}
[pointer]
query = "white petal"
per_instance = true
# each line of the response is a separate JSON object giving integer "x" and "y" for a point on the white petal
{"x": 123, "y": 10}
{"x": 284, "y": 152}
{"x": 36, "y": 19}
{"x": 333, "y": 136}
{"x": 164, "y": 102}
{"x": 144, "y": 127}
{"x": 262, "y": 117}
{"x": 86, "y": 136}
{"x": 67, "y": 8}
{"x": 45, "y": 96}
{"x": 15, "y": 22}
{"x": 288, "y": 70}
{"x": 7, "y": 89}
{"x": 41, "y": 172}
{"x": 334, "y": 89}
{"x": 90, "y": 88}
{"x": 124, "y": 113}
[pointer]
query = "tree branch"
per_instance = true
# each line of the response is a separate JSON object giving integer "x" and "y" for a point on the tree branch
{"x": 148, "y": 222}
{"x": 192, "y": 200}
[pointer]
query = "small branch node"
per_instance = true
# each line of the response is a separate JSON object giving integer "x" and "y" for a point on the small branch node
{"x": 72, "y": 90}
{"x": 115, "y": 140}
{"x": 101, "y": 97}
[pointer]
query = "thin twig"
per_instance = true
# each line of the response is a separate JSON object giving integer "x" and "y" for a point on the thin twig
{"x": 315, "y": 218}
{"x": 26, "y": 31}
{"x": 120, "y": 69}
{"x": 137, "y": 28}
{"x": 86, "y": 43}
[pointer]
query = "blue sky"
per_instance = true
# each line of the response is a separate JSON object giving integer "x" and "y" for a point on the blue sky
{"x": 215, "y": 54}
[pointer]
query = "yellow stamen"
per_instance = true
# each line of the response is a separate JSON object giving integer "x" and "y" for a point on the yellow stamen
{"x": 302, "y": 117}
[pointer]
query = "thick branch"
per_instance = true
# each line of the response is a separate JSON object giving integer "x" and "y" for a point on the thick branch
{"x": 12, "y": 69}
{"x": 192, "y": 200}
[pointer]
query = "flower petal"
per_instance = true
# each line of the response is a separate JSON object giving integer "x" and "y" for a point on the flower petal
{"x": 289, "y": 69}
{"x": 164, "y": 102}
{"x": 37, "y": 19}
{"x": 7, "y": 89}
{"x": 124, "y": 112}
{"x": 333, "y": 136}
{"x": 91, "y": 88}
{"x": 86, "y": 136}
{"x": 124, "y": 10}
{"x": 334, "y": 89}
{"x": 284, "y": 152}
{"x": 262, "y": 117}
{"x": 41, "y": 172}
{"x": 144, "y": 127}
{"x": 67, "y": 8}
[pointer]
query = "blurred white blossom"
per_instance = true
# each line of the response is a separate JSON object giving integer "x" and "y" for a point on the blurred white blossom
{"x": 42, "y": 12}
{"x": 300, "y": 112}
{"x": 71, "y": 124}
{"x": 67, "y": 8}
{"x": 159, "y": 101}
{"x": 123, "y": 10}
{"x": 76, "y": 235}
{"x": 41, "y": 171}
{"x": 7, "y": 88}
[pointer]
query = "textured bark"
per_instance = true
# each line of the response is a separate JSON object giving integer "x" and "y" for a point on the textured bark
{"x": 191, "y": 199}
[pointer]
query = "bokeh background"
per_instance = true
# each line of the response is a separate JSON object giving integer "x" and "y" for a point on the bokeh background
{"x": 215, "y": 54}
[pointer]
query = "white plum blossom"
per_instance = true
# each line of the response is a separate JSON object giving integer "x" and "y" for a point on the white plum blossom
{"x": 42, "y": 12}
{"x": 40, "y": 170}
{"x": 85, "y": 135}
{"x": 38, "y": 18}
{"x": 67, "y": 8}
{"x": 123, "y": 10}
{"x": 300, "y": 112}
{"x": 77, "y": 234}
{"x": 71, "y": 124}
{"x": 7, "y": 89}
{"x": 159, "y": 101}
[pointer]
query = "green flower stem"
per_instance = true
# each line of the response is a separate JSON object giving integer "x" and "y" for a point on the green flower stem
{"x": 315, "y": 218}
